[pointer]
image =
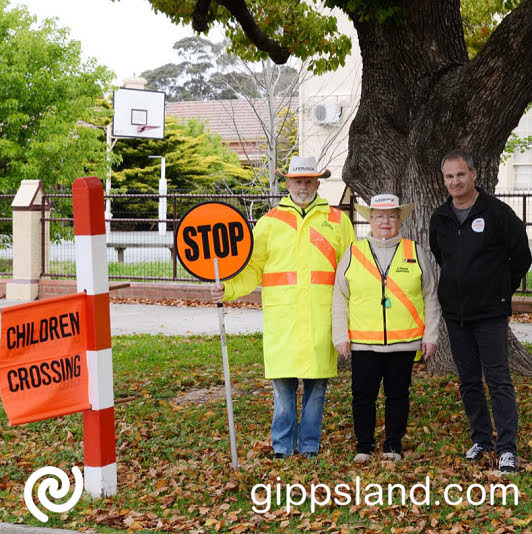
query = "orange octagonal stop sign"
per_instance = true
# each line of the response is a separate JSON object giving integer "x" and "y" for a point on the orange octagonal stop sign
{"x": 213, "y": 230}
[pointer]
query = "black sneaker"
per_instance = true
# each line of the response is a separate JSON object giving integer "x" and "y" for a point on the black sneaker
{"x": 475, "y": 452}
{"x": 309, "y": 455}
{"x": 279, "y": 455}
{"x": 507, "y": 462}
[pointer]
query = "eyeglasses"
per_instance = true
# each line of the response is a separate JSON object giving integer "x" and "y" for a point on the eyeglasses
{"x": 390, "y": 218}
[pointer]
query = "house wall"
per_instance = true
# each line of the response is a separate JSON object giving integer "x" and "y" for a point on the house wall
{"x": 328, "y": 142}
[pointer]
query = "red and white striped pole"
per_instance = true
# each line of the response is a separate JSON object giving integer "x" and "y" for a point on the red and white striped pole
{"x": 92, "y": 277}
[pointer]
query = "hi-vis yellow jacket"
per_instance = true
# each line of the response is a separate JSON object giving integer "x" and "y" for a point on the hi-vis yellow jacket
{"x": 294, "y": 258}
{"x": 385, "y": 310}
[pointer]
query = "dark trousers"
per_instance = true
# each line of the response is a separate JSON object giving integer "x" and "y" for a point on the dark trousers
{"x": 482, "y": 347}
{"x": 394, "y": 369}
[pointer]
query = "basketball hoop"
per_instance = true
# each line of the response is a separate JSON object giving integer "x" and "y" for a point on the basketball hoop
{"x": 138, "y": 113}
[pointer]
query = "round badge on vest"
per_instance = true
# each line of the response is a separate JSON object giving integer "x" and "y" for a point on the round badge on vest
{"x": 478, "y": 225}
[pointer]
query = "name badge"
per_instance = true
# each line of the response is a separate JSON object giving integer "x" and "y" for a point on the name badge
{"x": 478, "y": 225}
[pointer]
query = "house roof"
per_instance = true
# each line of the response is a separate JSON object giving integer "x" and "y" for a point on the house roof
{"x": 232, "y": 119}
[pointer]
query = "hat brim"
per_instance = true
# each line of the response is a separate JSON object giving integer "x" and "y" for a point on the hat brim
{"x": 325, "y": 173}
{"x": 404, "y": 211}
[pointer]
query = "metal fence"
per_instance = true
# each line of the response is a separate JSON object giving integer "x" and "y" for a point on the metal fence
{"x": 6, "y": 234}
{"x": 140, "y": 245}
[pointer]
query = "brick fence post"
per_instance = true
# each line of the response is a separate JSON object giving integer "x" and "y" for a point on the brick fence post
{"x": 28, "y": 240}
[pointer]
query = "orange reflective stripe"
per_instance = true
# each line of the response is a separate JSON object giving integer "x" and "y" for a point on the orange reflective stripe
{"x": 367, "y": 335}
{"x": 323, "y": 245}
{"x": 408, "y": 252}
{"x": 407, "y": 303}
{"x": 370, "y": 267}
{"x": 322, "y": 277}
{"x": 286, "y": 278}
{"x": 285, "y": 216}
{"x": 392, "y": 335}
{"x": 335, "y": 215}
{"x": 413, "y": 333}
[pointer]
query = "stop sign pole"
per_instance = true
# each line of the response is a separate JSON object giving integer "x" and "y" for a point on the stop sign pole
{"x": 227, "y": 376}
{"x": 209, "y": 233}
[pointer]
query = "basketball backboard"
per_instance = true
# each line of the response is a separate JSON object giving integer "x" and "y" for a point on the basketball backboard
{"x": 138, "y": 113}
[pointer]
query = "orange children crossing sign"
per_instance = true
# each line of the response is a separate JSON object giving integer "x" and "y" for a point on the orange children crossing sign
{"x": 43, "y": 359}
{"x": 213, "y": 230}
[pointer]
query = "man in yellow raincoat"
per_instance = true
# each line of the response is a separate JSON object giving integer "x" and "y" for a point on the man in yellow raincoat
{"x": 297, "y": 246}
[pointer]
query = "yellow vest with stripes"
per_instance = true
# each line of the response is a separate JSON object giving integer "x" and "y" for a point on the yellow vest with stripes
{"x": 371, "y": 322}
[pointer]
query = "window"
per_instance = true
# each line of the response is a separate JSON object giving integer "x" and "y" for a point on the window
{"x": 522, "y": 161}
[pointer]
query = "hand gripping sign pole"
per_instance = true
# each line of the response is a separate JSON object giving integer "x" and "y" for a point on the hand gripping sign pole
{"x": 227, "y": 376}
{"x": 215, "y": 233}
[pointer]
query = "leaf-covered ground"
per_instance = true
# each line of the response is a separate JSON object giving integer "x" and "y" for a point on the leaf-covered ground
{"x": 174, "y": 461}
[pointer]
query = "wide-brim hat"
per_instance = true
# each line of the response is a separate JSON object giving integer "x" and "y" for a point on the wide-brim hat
{"x": 301, "y": 168}
{"x": 385, "y": 202}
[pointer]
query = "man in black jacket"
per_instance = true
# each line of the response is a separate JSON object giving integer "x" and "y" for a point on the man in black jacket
{"x": 482, "y": 249}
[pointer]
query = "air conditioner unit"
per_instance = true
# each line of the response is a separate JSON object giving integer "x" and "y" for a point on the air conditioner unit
{"x": 326, "y": 113}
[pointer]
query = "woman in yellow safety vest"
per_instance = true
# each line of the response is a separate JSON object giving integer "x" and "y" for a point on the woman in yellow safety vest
{"x": 385, "y": 309}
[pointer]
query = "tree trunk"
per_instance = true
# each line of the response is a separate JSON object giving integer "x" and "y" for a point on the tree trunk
{"x": 441, "y": 363}
{"x": 421, "y": 97}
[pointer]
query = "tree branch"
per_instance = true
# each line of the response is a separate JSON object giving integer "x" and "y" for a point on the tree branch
{"x": 239, "y": 9}
{"x": 500, "y": 74}
{"x": 200, "y": 17}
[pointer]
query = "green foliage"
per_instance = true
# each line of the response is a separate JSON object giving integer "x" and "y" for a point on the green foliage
{"x": 306, "y": 33}
{"x": 297, "y": 26}
{"x": 480, "y": 18}
{"x": 121, "y": 271}
{"x": 195, "y": 159}
{"x": 48, "y": 100}
{"x": 516, "y": 144}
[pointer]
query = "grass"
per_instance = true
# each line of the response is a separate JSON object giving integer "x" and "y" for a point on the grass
{"x": 174, "y": 462}
{"x": 6, "y": 266}
{"x": 126, "y": 270}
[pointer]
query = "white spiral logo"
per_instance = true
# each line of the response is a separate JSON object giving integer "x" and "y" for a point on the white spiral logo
{"x": 52, "y": 485}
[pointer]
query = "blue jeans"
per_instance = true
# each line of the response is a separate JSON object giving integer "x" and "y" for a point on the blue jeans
{"x": 284, "y": 425}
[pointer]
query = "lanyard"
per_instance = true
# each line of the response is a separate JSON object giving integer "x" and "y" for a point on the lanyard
{"x": 384, "y": 274}
{"x": 386, "y": 302}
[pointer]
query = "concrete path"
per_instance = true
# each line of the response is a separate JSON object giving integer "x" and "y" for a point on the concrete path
{"x": 174, "y": 321}
{"x": 180, "y": 321}
{"x": 8, "y": 528}
{"x": 522, "y": 331}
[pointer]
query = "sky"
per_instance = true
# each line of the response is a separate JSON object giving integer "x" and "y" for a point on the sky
{"x": 126, "y": 35}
